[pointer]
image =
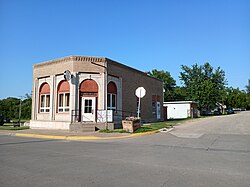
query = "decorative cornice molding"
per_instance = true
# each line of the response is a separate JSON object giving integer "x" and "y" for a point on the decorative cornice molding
{"x": 90, "y": 59}
{"x": 70, "y": 59}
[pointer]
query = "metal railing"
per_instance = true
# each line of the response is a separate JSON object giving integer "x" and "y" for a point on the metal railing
{"x": 117, "y": 114}
{"x": 75, "y": 116}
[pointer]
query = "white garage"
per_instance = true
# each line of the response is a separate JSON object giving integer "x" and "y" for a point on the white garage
{"x": 181, "y": 109}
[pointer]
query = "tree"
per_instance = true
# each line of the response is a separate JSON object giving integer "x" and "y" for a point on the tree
{"x": 9, "y": 107}
{"x": 204, "y": 85}
{"x": 26, "y": 107}
{"x": 237, "y": 98}
{"x": 169, "y": 83}
{"x": 248, "y": 87}
{"x": 180, "y": 93}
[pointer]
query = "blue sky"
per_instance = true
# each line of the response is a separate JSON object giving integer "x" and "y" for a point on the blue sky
{"x": 144, "y": 34}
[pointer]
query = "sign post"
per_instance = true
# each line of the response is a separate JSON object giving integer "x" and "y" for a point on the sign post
{"x": 140, "y": 92}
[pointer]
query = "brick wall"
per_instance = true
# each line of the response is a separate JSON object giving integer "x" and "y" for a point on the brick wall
{"x": 132, "y": 79}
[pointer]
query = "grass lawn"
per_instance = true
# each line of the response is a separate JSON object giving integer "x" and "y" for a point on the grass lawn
{"x": 161, "y": 125}
{"x": 9, "y": 126}
{"x": 156, "y": 126}
{"x": 112, "y": 131}
{"x": 151, "y": 126}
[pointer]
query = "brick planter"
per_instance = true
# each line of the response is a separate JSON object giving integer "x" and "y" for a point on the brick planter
{"x": 130, "y": 125}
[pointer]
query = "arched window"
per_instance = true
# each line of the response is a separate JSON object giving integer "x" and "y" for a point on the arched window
{"x": 44, "y": 93}
{"x": 63, "y": 96}
{"x": 112, "y": 96}
{"x": 89, "y": 88}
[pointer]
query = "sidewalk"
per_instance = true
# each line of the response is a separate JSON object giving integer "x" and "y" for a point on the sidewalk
{"x": 70, "y": 135}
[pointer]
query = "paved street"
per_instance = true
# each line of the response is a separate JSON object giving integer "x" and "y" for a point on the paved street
{"x": 206, "y": 152}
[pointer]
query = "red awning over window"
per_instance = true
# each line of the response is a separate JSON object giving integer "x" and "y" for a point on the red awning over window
{"x": 89, "y": 86}
{"x": 63, "y": 86}
{"x": 45, "y": 89}
{"x": 112, "y": 88}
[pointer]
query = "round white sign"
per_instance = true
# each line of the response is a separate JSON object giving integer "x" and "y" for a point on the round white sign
{"x": 140, "y": 92}
{"x": 67, "y": 75}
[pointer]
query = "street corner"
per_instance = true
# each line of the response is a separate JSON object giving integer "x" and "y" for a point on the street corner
{"x": 79, "y": 137}
{"x": 166, "y": 129}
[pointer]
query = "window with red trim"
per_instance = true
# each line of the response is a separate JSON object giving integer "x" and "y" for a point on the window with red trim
{"x": 63, "y": 96}
{"x": 112, "y": 96}
{"x": 44, "y": 93}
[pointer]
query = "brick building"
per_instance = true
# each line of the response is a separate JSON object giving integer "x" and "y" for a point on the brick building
{"x": 80, "y": 90}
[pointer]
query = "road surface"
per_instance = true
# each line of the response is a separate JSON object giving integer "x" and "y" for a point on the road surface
{"x": 206, "y": 152}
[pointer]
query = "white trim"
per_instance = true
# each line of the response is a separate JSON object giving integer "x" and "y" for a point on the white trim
{"x": 110, "y": 107}
{"x": 89, "y": 115}
{"x": 63, "y": 108}
{"x": 180, "y": 102}
{"x": 45, "y": 108}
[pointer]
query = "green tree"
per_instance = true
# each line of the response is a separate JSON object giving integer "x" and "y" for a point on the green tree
{"x": 9, "y": 107}
{"x": 180, "y": 93}
{"x": 204, "y": 85}
{"x": 237, "y": 98}
{"x": 26, "y": 107}
{"x": 169, "y": 83}
{"x": 248, "y": 87}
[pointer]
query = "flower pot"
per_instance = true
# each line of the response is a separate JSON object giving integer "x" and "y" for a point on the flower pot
{"x": 131, "y": 125}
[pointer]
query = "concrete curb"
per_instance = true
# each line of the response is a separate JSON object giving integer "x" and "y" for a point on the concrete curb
{"x": 166, "y": 130}
{"x": 82, "y": 137}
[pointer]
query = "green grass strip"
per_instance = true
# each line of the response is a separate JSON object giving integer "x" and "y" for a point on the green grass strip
{"x": 13, "y": 128}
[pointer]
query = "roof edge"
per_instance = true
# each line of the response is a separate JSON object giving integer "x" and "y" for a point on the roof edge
{"x": 71, "y": 58}
{"x": 130, "y": 68}
{"x": 90, "y": 59}
{"x": 179, "y": 102}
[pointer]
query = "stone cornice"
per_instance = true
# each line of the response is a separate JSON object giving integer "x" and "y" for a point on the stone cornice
{"x": 89, "y": 59}
{"x": 70, "y": 59}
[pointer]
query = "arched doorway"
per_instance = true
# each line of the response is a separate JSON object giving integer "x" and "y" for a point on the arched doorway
{"x": 88, "y": 100}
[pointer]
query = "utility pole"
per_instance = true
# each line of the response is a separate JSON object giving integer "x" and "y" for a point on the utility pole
{"x": 20, "y": 109}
